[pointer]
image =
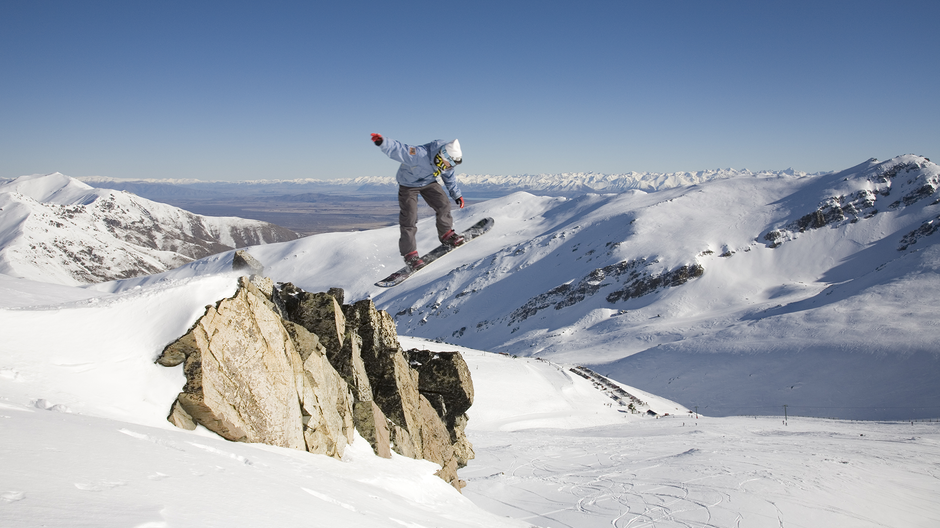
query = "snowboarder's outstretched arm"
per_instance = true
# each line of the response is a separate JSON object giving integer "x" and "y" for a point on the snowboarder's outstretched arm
{"x": 400, "y": 152}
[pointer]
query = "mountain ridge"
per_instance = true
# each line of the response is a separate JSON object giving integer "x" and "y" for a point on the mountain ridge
{"x": 57, "y": 228}
{"x": 560, "y": 183}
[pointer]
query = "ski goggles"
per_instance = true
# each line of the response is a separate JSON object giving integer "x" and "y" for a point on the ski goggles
{"x": 443, "y": 162}
{"x": 453, "y": 162}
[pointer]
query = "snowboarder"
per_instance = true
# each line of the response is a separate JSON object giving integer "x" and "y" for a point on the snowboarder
{"x": 417, "y": 174}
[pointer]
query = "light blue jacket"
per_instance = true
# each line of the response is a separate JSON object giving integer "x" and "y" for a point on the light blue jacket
{"x": 417, "y": 165}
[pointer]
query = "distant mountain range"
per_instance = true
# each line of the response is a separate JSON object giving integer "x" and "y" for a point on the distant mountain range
{"x": 54, "y": 228}
{"x": 566, "y": 184}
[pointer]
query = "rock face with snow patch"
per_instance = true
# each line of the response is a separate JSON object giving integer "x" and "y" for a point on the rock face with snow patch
{"x": 631, "y": 276}
{"x": 298, "y": 369}
{"x": 862, "y": 189}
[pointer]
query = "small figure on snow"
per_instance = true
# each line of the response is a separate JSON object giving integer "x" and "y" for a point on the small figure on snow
{"x": 417, "y": 174}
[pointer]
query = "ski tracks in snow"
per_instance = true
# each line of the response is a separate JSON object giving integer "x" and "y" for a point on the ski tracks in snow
{"x": 726, "y": 472}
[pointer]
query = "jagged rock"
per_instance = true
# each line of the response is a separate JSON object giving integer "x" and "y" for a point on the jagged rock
{"x": 265, "y": 286}
{"x": 307, "y": 379}
{"x": 373, "y": 426}
{"x": 402, "y": 442}
{"x": 419, "y": 428}
{"x": 435, "y": 442}
{"x": 246, "y": 380}
{"x": 319, "y": 313}
{"x": 926, "y": 229}
{"x": 921, "y": 181}
{"x": 239, "y": 376}
{"x": 322, "y": 314}
{"x": 348, "y": 362}
{"x": 394, "y": 384}
{"x": 395, "y": 391}
{"x": 647, "y": 284}
{"x": 338, "y": 293}
{"x": 243, "y": 261}
{"x": 463, "y": 449}
{"x": 325, "y": 401}
{"x": 633, "y": 276}
{"x": 376, "y": 327}
{"x": 444, "y": 380}
{"x": 180, "y": 418}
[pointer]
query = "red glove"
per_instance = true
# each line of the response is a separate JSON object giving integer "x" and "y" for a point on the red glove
{"x": 460, "y": 202}
{"x": 377, "y": 139}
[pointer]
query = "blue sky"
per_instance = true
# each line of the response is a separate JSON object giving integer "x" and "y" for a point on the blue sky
{"x": 282, "y": 90}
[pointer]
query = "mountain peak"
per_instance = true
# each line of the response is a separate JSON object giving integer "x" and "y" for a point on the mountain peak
{"x": 59, "y": 229}
{"x": 54, "y": 188}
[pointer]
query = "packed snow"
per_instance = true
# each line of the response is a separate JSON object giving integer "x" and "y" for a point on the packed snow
{"x": 830, "y": 321}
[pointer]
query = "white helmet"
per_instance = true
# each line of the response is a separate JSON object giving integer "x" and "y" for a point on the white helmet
{"x": 451, "y": 152}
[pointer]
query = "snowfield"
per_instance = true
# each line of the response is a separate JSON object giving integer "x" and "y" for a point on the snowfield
{"x": 84, "y": 442}
{"x": 816, "y": 292}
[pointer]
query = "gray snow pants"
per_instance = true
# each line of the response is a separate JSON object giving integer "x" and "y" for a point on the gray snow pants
{"x": 435, "y": 196}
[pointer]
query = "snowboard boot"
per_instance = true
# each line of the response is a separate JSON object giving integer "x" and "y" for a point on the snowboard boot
{"x": 413, "y": 261}
{"x": 451, "y": 238}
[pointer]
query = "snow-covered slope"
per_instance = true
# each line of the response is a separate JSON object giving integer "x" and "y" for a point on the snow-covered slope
{"x": 84, "y": 442}
{"x": 738, "y": 295}
{"x": 55, "y": 228}
{"x": 84, "y": 439}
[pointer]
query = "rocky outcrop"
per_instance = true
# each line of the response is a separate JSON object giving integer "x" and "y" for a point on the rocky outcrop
{"x": 286, "y": 367}
{"x": 253, "y": 377}
{"x": 832, "y": 211}
{"x": 915, "y": 178}
{"x": 243, "y": 261}
{"x": 364, "y": 350}
{"x": 444, "y": 381}
{"x": 632, "y": 276}
{"x": 927, "y": 228}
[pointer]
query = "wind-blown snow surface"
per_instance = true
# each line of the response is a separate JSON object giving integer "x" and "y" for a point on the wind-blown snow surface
{"x": 84, "y": 442}
{"x": 737, "y": 296}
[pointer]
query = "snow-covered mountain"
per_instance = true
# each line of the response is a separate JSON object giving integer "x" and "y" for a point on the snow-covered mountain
{"x": 738, "y": 295}
{"x": 54, "y": 228}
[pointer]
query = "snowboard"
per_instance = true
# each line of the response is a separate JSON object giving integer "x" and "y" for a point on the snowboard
{"x": 472, "y": 232}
